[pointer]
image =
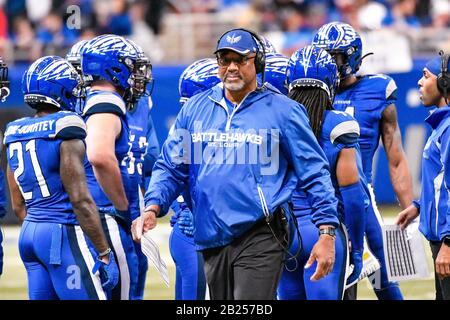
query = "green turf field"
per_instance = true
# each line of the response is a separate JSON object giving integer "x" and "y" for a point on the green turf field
{"x": 13, "y": 283}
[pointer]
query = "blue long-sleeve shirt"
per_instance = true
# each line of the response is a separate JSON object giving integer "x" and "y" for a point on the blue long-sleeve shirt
{"x": 434, "y": 200}
{"x": 241, "y": 166}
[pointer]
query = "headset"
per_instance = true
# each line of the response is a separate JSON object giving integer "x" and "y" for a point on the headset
{"x": 443, "y": 79}
{"x": 260, "y": 59}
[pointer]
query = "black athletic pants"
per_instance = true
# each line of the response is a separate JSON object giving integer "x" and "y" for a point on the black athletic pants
{"x": 442, "y": 286}
{"x": 250, "y": 267}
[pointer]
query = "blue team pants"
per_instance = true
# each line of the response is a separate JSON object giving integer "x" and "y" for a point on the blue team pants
{"x": 295, "y": 283}
{"x": 58, "y": 262}
{"x": 383, "y": 288}
{"x": 142, "y": 272}
{"x": 190, "y": 283}
{"x": 121, "y": 242}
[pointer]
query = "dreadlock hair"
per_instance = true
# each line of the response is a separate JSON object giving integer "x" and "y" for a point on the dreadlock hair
{"x": 316, "y": 102}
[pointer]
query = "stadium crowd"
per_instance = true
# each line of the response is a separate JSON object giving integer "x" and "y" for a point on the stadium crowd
{"x": 29, "y": 29}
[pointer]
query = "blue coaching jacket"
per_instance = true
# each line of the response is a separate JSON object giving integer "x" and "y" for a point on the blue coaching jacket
{"x": 434, "y": 200}
{"x": 241, "y": 165}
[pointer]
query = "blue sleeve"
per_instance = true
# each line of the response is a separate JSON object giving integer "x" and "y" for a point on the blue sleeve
{"x": 171, "y": 171}
{"x": 354, "y": 213}
{"x": 311, "y": 167}
{"x": 445, "y": 147}
{"x": 2, "y": 194}
{"x": 152, "y": 151}
{"x": 390, "y": 94}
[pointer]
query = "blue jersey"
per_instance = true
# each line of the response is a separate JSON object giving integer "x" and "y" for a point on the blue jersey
{"x": 134, "y": 161}
{"x": 366, "y": 100}
{"x": 33, "y": 152}
{"x": 108, "y": 102}
{"x": 339, "y": 131}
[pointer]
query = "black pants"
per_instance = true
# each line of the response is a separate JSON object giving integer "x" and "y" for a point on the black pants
{"x": 250, "y": 267}
{"x": 351, "y": 293}
{"x": 442, "y": 285}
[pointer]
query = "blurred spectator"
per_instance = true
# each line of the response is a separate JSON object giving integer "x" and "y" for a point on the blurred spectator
{"x": 3, "y": 23}
{"x": 154, "y": 14}
{"x": 423, "y": 9}
{"x": 119, "y": 22}
{"x": 347, "y": 11}
{"x": 402, "y": 15}
{"x": 317, "y": 15}
{"x": 294, "y": 25}
{"x": 23, "y": 37}
{"x": 440, "y": 12}
{"x": 52, "y": 31}
{"x": 371, "y": 15}
{"x": 203, "y": 6}
{"x": 38, "y": 9}
{"x": 13, "y": 9}
{"x": 142, "y": 34}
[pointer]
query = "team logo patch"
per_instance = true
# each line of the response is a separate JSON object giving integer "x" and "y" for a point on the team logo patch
{"x": 232, "y": 39}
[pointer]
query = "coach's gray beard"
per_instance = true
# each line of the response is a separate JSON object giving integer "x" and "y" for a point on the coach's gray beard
{"x": 235, "y": 86}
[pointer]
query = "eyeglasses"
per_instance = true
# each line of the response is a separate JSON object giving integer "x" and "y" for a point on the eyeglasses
{"x": 239, "y": 61}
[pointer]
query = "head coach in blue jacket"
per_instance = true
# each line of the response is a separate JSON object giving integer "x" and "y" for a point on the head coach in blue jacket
{"x": 433, "y": 205}
{"x": 242, "y": 149}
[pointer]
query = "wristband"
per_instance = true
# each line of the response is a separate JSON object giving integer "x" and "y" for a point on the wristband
{"x": 104, "y": 253}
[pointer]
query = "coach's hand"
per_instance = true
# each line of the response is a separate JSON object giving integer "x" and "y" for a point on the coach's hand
{"x": 443, "y": 262}
{"x": 324, "y": 253}
{"x": 405, "y": 217}
{"x": 145, "y": 222}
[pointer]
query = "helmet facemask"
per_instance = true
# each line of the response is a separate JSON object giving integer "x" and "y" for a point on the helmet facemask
{"x": 4, "y": 83}
{"x": 140, "y": 76}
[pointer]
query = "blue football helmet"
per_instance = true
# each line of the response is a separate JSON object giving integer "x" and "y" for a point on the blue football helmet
{"x": 339, "y": 37}
{"x": 115, "y": 59}
{"x": 4, "y": 83}
{"x": 268, "y": 46}
{"x": 75, "y": 53}
{"x": 198, "y": 77}
{"x": 313, "y": 67}
{"x": 51, "y": 80}
{"x": 275, "y": 72}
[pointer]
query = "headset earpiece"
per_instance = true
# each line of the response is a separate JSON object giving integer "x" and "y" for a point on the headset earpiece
{"x": 443, "y": 79}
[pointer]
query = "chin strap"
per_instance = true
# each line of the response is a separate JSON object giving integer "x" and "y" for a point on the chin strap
{"x": 364, "y": 56}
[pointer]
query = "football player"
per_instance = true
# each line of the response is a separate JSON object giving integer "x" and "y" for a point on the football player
{"x": 49, "y": 191}
{"x": 312, "y": 78}
{"x": 119, "y": 74}
{"x": 144, "y": 149}
{"x": 371, "y": 100}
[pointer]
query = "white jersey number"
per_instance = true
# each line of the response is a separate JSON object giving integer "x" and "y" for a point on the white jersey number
{"x": 30, "y": 147}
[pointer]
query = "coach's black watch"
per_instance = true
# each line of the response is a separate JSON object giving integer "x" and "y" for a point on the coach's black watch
{"x": 331, "y": 231}
{"x": 446, "y": 241}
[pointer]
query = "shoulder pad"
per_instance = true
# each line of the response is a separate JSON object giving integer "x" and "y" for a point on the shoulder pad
{"x": 69, "y": 127}
{"x": 385, "y": 84}
{"x": 343, "y": 128}
{"x": 104, "y": 102}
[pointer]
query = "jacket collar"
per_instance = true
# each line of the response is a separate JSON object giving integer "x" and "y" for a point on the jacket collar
{"x": 218, "y": 96}
{"x": 436, "y": 117}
